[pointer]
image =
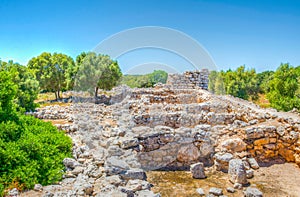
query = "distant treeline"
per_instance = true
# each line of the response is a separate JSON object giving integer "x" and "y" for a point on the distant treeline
{"x": 282, "y": 87}
{"x": 57, "y": 72}
{"x": 145, "y": 81}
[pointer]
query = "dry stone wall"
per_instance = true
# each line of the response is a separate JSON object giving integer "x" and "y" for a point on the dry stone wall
{"x": 269, "y": 142}
{"x": 189, "y": 80}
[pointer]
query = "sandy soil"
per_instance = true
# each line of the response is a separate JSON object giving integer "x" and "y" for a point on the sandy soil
{"x": 278, "y": 180}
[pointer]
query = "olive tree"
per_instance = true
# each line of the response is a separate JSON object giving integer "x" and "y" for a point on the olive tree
{"x": 97, "y": 71}
{"x": 55, "y": 72}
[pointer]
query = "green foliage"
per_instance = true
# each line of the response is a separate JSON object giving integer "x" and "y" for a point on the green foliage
{"x": 297, "y": 93}
{"x": 212, "y": 81}
{"x": 136, "y": 81}
{"x": 31, "y": 152}
{"x": 242, "y": 83}
{"x": 28, "y": 87}
{"x": 219, "y": 85}
{"x": 281, "y": 87}
{"x": 55, "y": 72}
{"x": 40, "y": 66}
{"x": 97, "y": 71}
{"x": 1, "y": 189}
{"x": 80, "y": 58}
{"x": 284, "y": 87}
{"x": 145, "y": 81}
{"x": 110, "y": 76}
{"x": 239, "y": 83}
{"x": 8, "y": 90}
{"x": 216, "y": 83}
{"x": 158, "y": 76}
{"x": 263, "y": 81}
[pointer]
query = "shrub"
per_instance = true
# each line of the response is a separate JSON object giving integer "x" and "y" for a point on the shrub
{"x": 283, "y": 88}
{"x": 31, "y": 152}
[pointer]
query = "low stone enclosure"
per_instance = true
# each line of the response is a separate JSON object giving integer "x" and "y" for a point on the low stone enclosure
{"x": 165, "y": 128}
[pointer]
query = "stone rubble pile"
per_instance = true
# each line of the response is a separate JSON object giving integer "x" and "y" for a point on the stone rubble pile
{"x": 53, "y": 112}
{"x": 168, "y": 129}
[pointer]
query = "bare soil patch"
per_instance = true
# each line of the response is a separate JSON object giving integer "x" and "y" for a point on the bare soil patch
{"x": 278, "y": 180}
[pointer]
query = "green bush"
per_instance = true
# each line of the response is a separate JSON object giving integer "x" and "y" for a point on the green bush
{"x": 31, "y": 152}
{"x": 1, "y": 190}
{"x": 26, "y": 86}
{"x": 284, "y": 87}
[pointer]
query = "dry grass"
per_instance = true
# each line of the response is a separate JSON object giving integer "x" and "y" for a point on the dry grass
{"x": 263, "y": 101}
{"x": 46, "y": 99}
{"x": 44, "y": 104}
{"x": 42, "y": 97}
{"x": 57, "y": 121}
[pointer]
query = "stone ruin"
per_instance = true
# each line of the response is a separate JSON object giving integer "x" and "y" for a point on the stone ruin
{"x": 189, "y": 80}
{"x": 167, "y": 128}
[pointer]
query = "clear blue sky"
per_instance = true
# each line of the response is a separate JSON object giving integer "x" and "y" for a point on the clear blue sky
{"x": 258, "y": 33}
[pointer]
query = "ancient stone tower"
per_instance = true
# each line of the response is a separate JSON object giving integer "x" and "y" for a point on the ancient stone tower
{"x": 189, "y": 80}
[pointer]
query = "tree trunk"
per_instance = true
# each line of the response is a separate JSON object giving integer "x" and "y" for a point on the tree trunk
{"x": 55, "y": 95}
{"x": 58, "y": 95}
{"x": 96, "y": 92}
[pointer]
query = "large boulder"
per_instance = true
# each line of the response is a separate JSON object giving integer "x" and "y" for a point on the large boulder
{"x": 134, "y": 174}
{"x": 207, "y": 149}
{"x": 222, "y": 161}
{"x": 237, "y": 171}
{"x": 253, "y": 163}
{"x": 137, "y": 185}
{"x": 188, "y": 153}
{"x": 115, "y": 165}
{"x": 128, "y": 142}
{"x": 70, "y": 163}
{"x": 197, "y": 171}
{"x": 234, "y": 145}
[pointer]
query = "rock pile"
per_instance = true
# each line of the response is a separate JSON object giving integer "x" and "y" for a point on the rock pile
{"x": 163, "y": 128}
{"x": 53, "y": 112}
